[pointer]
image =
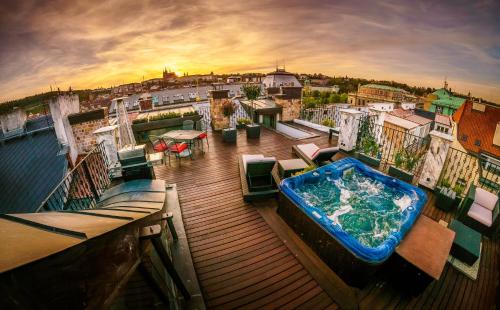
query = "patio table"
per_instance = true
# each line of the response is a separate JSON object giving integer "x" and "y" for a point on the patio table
{"x": 426, "y": 246}
{"x": 185, "y": 136}
{"x": 182, "y": 135}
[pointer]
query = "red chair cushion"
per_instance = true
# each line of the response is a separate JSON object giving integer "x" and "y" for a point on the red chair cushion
{"x": 178, "y": 147}
{"x": 160, "y": 147}
{"x": 202, "y": 135}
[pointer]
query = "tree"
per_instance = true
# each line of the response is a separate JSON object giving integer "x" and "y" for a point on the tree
{"x": 252, "y": 92}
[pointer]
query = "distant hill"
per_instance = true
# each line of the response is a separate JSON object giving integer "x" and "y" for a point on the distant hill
{"x": 38, "y": 99}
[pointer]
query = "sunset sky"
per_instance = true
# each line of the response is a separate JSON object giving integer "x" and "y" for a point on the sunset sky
{"x": 102, "y": 43}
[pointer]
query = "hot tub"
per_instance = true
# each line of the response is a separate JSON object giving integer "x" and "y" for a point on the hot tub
{"x": 351, "y": 215}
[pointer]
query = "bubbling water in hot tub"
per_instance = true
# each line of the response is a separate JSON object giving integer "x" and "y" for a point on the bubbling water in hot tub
{"x": 363, "y": 207}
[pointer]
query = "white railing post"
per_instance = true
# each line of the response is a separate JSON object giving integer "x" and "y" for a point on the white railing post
{"x": 435, "y": 159}
{"x": 349, "y": 125}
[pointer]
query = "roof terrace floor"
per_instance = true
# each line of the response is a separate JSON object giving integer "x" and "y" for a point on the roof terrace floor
{"x": 247, "y": 257}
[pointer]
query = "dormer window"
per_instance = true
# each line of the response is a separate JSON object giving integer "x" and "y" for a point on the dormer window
{"x": 477, "y": 142}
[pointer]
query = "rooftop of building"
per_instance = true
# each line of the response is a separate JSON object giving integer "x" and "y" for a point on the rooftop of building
{"x": 476, "y": 129}
{"x": 443, "y": 119}
{"x": 400, "y": 122}
{"x": 446, "y": 99}
{"x": 384, "y": 87}
{"x": 25, "y": 178}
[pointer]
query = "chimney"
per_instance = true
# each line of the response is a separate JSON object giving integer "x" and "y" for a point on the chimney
{"x": 60, "y": 107}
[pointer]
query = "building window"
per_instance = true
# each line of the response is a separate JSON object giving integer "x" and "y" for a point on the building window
{"x": 464, "y": 137}
{"x": 477, "y": 143}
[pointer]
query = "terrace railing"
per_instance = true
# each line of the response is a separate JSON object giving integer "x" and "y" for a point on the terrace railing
{"x": 204, "y": 111}
{"x": 387, "y": 142}
{"x": 320, "y": 114}
{"x": 82, "y": 186}
{"x": 462, "y": 169}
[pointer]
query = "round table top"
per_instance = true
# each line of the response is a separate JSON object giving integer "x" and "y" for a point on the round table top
{"x": 182, "y": 134}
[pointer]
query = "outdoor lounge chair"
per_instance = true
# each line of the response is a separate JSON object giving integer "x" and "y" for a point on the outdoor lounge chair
{"x": 187, "y": 125}
{"x": 480, "y": 211}
{"x": 313, "y": 155}
{"x": 258, "y": 176}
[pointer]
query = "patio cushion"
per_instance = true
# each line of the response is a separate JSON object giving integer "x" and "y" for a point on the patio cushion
{"x": 485, "y": 198}
{"x": 178, "y": 147}
{"x": 328, "y": 150}
{"x": 250, "y": 158}
{"x": 202, "y": 135}
{"x": 310, "y": 150}
{"x": 481, "y": 214}
{"x": 160, "y": 147}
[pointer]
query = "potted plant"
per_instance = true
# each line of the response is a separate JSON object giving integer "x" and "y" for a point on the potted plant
{"x": 445, "y": 196}
{"x": 404, "y": 164}
{"x": 252, "y": 92}
{"x": 163, "y": 120}
{"x": 242, "y": 122}
{"x": 369, "y": 151}
{"x": 328, "y": 123}
{"x": 228, "y": 108}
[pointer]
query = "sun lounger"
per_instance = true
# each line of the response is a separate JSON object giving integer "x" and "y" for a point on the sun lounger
{"x": 313, "y": 155}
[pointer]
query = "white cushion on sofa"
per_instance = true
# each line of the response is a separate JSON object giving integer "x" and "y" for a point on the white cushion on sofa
{"x": 481, "y": 214}
{"x": 485, "y": 198}
{"x": 249, "y": 159}
{"x": 333, "y": 149}
{"x": 308, "y": 149}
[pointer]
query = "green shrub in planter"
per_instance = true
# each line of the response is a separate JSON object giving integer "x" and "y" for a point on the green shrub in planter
{"x": 405, "y": 162}
{"x": 190, "y": 113}
{"x": 242, "y": 122}
{"x": 328, "y": 122}
{"x": 369, "y": 151}
{"x": 140, "y": 120}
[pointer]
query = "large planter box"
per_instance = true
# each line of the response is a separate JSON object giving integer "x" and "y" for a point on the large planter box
{"x": 253, "y": 131}
{"x": 241, "y": 126}
{"x": 164, "y": 123}
{"x": 229, "y": 135}
{"x": 401, "y": 174}
{"x": 373, "y": 162}
{"x": 445, "y": 202}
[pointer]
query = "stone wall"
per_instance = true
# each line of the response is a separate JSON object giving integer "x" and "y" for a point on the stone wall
{"x": 291, "y": 108}
{"x": 84, "y": 134}
{"x": 217, "y": 101}
{"x": 219, "y": 120}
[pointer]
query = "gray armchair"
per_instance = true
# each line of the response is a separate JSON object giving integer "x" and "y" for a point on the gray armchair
{"x": 480, "y": 211}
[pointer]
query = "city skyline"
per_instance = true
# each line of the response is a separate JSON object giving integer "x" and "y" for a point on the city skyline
{"x": 88, "y": 45}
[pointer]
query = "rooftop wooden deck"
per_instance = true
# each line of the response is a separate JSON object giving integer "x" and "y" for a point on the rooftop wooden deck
{"x": 246, "y": 257}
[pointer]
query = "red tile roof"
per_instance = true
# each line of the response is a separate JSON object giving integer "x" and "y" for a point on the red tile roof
{"x": 418, "y": 119}
{"x": 476, "y": 127}
{"x": 458, "y": 114}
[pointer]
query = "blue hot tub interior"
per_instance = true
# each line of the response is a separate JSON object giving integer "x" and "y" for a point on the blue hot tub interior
{"x": 368, "y": 212}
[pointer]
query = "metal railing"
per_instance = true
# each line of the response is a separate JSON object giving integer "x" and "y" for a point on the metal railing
{"x": 82, "y": 186}
{"x": 204, "y": 111}
{"x": 330, "y": 113}
{"x": 462, "y": 169}
{"x": 386, "y": 144}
